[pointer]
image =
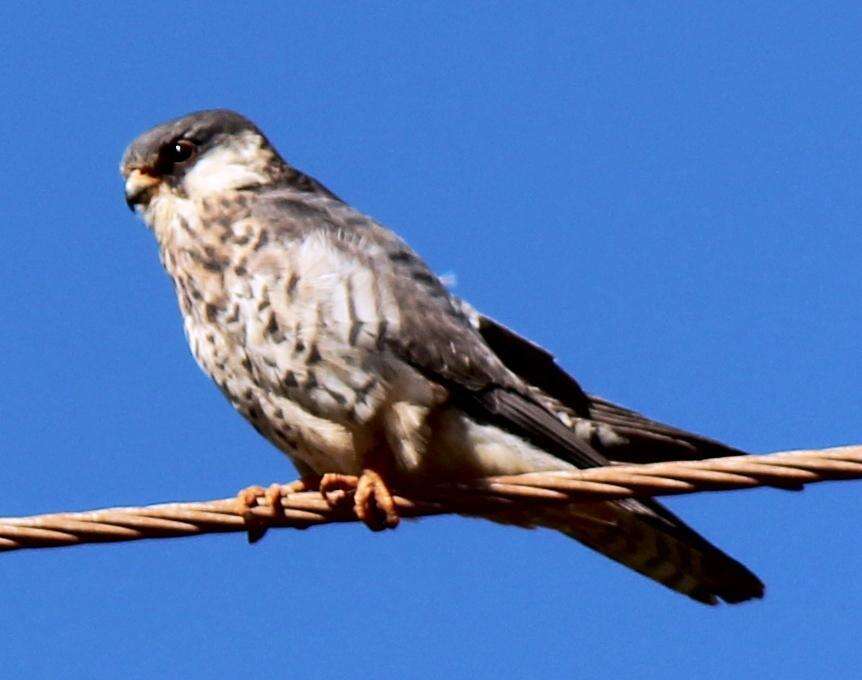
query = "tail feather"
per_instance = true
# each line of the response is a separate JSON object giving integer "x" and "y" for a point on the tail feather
{"x": 648, "y": 538}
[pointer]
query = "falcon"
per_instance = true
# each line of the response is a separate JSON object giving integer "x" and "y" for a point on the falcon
{"x": 343, "y": 349}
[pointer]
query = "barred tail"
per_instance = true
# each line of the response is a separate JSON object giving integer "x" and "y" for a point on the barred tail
{"x": 649, "y": 539}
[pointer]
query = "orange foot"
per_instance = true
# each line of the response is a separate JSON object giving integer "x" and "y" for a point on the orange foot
{"x": 372, "y": 500}
{"x": 247, "y": 499}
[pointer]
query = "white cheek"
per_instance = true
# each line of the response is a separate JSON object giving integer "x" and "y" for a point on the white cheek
{"x": 227, "y": 167}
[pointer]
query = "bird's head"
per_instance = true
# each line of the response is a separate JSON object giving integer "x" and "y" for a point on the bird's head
{"x": 196, "y": 156}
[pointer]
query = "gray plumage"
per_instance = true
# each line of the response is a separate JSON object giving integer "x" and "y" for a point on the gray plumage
{"x": 335, "y": 340}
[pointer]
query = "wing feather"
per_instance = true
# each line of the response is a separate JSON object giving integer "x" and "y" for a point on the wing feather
{"x": 639, "y": 440}
{"x": 497, "y": 377}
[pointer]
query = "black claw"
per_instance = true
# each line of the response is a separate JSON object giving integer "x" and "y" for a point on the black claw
{"x": 255, "y": 533}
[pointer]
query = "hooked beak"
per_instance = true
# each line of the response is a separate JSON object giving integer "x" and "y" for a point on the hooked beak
{"x": 139, "y": 187}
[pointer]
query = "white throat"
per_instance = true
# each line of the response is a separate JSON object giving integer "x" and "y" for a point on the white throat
{"x": 241, "y": 162}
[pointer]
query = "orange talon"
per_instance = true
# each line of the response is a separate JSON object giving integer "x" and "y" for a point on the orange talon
{"x": 373, "y": 502}
{"x": 247, "y": 499}
{"x": 334, "y": 487}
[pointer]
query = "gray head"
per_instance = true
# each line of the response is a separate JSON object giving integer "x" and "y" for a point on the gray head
{"x": 197, "y": 155}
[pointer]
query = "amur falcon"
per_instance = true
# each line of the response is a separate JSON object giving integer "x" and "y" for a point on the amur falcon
{"x": 342, "y": 348}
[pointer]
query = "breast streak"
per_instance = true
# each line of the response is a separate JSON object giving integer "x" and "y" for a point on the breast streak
{"x": 293, "y": 333}
{"x": 321, "y": 343}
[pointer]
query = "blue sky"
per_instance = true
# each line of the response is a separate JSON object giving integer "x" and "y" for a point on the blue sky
{"x": 665, "y": 195}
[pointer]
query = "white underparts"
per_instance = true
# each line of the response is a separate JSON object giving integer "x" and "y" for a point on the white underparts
{"x": 293, "y": 333}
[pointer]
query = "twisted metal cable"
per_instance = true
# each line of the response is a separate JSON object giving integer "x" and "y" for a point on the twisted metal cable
{"x": 785, "y": 470}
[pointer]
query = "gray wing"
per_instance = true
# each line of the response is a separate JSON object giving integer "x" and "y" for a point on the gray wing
{"x": 439, "y": 337}
{"x": 517, "y": 386}
{"x": 438, "y": 340}
{"x": 434, "y": 336}
{"x": 492, "y": 373}
{"x": 627, "y": 436}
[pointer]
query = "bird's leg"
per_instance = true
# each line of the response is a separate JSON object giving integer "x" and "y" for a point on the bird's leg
{"x": 246, "y": 499}
{"x": 372, "y": 500}
{"x": 335, "y": 487}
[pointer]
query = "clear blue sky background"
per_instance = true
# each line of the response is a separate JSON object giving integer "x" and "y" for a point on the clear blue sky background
{"x": 666, "y": 196}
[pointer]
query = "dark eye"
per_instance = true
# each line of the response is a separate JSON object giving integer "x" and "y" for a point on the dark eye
{"x": 179, "y": 151}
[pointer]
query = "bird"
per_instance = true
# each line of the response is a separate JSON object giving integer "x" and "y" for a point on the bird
{"x": 340, "y": 346}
